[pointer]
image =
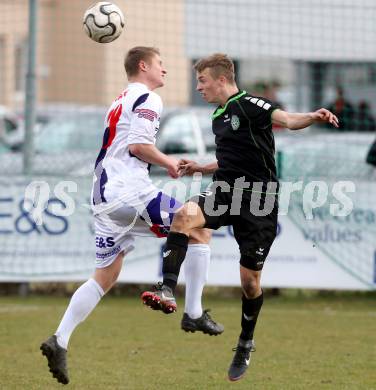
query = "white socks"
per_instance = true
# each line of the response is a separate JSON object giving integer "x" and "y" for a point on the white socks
{"x": 87, "y": 296}
{"x": 83, "y": 301}
{"x": 196, "y": 269}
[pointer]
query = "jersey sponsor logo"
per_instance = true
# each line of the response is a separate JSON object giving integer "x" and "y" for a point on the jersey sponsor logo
{"x": 146, "y": 114}
{"x": 165, "y": 254}
{"x": 102, "y": 242}
{"x": 235, "y": 122}
{"x": 113, "y": 251}
{"x": 259, "y": 102}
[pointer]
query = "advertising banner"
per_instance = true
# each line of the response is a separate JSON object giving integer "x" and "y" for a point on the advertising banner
{"x": 324, "y": 252}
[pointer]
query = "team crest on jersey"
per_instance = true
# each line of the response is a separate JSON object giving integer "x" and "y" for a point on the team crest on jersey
{"x": 235, "y": 122}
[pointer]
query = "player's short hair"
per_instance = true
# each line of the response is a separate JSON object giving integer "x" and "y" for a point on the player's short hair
{"x": 137, "y": 54}
{"x": 219, "y": 64}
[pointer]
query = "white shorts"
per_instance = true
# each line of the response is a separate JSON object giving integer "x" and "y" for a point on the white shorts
{"x": 118, "y": 221}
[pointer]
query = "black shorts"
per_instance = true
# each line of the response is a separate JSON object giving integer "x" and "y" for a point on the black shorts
{"x": 253, "y": 231}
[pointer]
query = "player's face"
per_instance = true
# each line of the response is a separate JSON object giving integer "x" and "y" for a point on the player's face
{"x": 208, "y": 87}
{"x": 156, "y": 72}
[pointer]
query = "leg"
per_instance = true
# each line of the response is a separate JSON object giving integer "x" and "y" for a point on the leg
{"x": 185, "y": 220}
{"x": 83, "y": 301}
{"x": 174, "y": 253}
{"x": 86, "y": 298}
{"x": 255, "y": 239}
{"x": 252, "y": 301}
{"x": 254, "y": 242}
{"x": 251, "y": 305}
{"x": 190, "y": 216}
{"x": 196, "y": 266}
{"x": 107, "y": 277}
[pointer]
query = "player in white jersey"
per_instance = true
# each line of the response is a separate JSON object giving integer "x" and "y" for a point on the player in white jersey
{"x": 126, "y": 203}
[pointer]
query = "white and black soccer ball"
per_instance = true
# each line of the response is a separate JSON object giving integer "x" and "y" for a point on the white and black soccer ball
{"x": 103, "y": 22}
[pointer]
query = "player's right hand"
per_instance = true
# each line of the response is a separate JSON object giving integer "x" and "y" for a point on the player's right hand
{"x": 323, "y": 115}
{"x": 173, "y": 168}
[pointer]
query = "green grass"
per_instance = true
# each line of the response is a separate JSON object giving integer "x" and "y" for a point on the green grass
{"x": 302, "y": 343}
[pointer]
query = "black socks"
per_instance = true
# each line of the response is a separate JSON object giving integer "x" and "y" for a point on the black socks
{"x": 173, "y": 257}
{"x": 250, "y": 311}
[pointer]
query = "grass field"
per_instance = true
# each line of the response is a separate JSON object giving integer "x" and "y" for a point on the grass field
{"x": 303, "y": 342}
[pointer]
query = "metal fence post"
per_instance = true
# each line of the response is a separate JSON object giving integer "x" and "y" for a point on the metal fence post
{"x": 30, "y": 93}
{"x": 30, "y": 97}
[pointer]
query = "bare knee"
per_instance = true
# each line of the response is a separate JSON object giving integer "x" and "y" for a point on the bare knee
{"x": 200, "y": 236}
{"x": 188, "y": 217}
{"x": 251, "y": 289}
{"x": 250, "y": 281}
{"x": 182, "y": 219}
{"x": 107, "y": 277}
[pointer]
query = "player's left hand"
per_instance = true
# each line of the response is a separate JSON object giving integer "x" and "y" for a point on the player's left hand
{"x": 323, "y": 115}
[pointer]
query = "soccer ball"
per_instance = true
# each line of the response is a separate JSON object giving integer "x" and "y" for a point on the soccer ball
{"x": 103, "y": 22}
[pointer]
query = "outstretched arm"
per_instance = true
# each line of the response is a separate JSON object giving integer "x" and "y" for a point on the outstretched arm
{"x": 297, "y": 121}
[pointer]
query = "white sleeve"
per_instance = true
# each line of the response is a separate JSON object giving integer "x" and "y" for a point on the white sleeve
{"x": 144, "y": 121}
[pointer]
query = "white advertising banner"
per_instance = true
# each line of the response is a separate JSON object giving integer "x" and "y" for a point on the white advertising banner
{"x": 323, "y": 253}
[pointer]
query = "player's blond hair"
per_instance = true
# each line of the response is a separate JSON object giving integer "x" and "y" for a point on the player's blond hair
{"x": 137, "y": 54}
{"x": 219, "y": 64}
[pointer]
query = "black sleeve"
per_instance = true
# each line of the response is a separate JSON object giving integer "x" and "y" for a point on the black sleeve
{"x": 259, "y": 110}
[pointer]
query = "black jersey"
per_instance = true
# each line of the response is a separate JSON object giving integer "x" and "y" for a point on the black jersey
{"x": 244, "y": 139}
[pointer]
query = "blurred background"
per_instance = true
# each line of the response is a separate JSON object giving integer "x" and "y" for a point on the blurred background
{"x": 303, "y": 55}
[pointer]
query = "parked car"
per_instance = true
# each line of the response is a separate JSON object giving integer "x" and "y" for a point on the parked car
{"x": 54, "y": 113}
{"x": 186, "y": 130}
{"x": 9, "y": 124}
{"x": 63, "y": 146}
{"x": 69, "y": 142}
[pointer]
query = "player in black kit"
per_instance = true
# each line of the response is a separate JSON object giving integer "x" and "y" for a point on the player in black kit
{"x": 244, "y": 192}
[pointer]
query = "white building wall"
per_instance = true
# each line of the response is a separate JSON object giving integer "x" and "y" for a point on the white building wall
{"x": 310, "y": 30}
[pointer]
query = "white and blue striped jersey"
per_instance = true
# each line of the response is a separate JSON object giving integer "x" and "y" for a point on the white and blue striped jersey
{"x": 133, "y": 118}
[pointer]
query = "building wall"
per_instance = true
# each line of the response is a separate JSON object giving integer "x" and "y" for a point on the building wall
{"x": 315, "y": 30}
{"x": 265, "y": 37}
{"x": 159, "y": 24}
{"x": 73, "y": 69}
{"x": 76, "y": 65}
{"x": 12, "y": 32}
